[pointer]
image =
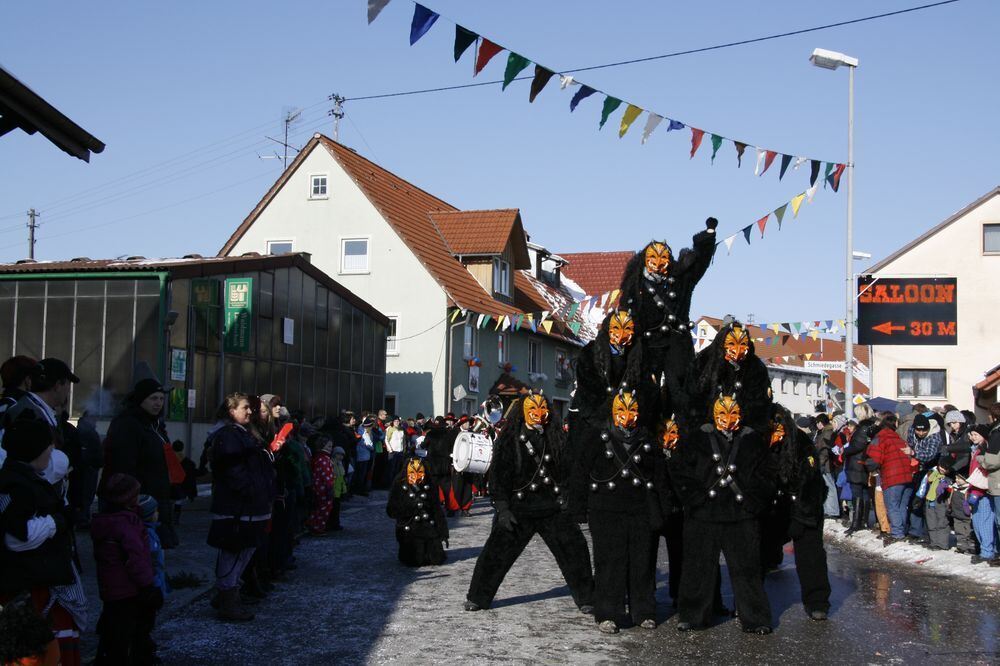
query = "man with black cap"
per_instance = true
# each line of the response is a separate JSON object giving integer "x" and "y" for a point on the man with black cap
{"x": 17, "y": 374}
{"x": 137, "y": 445}
{"x": 50, "y": 388}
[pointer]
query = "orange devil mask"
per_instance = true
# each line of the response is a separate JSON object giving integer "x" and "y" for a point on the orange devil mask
{"x": 415, "y": 471}
{"x": 777, "y": 432}
{"x": 625, "y": 411}
{"x": 670, "y": 435}
{"x": 657, "y": 258}
{"x": 536, "y": 411}
{"x": 621, "y": 328}
{"x": 726, "y": 414}
{"x": 736, "y": 344}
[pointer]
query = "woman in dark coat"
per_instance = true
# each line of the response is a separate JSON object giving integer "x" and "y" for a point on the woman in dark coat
{"x": 242, "y": 495}
{"x": 421, "y": 528}
{"x": 855, "y": 456}
{"x": 135, "y": 445}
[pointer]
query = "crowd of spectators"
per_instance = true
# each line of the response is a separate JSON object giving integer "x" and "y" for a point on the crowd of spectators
{"x": 930, "y": 476}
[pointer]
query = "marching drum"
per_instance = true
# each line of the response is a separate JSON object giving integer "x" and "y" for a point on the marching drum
{"x": 473, "y": 453}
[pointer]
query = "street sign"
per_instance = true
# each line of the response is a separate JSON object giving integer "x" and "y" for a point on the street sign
{"x": 825, "y": 365}
{"x": 239, "y": 305}
{"x": 907, "y": 311}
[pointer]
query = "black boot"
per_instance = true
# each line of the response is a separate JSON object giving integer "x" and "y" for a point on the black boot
{"x": 856, "y": 522}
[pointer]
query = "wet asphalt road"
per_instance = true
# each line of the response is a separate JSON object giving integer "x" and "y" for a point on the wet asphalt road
{"x": 350, "y": 602}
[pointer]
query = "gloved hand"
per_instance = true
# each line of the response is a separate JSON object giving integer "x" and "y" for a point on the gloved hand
{"x": 151, "y": 597}
{"x": 711, "y": 224}
{"x": 506, "y": 519}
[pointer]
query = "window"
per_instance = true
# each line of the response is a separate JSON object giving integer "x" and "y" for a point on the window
{"x": 503, "y": 349}
{"x": 279, "y": 247}
{"x": 563, "y": 365}
{"x": 921, "y": 383}
{"x": 470, "y": 344}
{"x": 317, "y": 186}
{"x": 469, "y": 407}
{"x": 534, "y": 357}
{"x": 991, "y": 238}
{"x": 354, "y": 255}
{"x": 389, "y": 403}
{"x": 391, "y": 341}
{"x": 501, "y": 277}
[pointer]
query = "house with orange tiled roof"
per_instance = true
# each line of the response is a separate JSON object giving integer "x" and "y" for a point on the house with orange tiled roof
{"x": 431, "y": 268}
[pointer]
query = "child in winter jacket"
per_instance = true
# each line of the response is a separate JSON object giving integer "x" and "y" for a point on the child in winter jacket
{"x": 339, "y": 489}
{"x": 125, "y": 576}
{"x": 150, "y": 514}
{"x": 935, "y": 490}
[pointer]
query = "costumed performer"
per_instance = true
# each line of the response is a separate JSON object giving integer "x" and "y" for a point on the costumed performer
{"x": 421, "y": 528}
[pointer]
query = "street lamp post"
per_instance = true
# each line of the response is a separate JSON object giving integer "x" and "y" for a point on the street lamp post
{"x": 833, "y": 60}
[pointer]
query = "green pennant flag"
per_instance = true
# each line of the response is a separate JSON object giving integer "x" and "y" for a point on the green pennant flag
{"x": 716, "y": 143}
{"x": 486, "y": 321}
{"x": 515, "y": 64}
{"x": 826, "y": 175}
{"x": 463, "y": 40}
{"x": 610, "y": 104}
{"x": 575, "y": 327}
{"x": 572, "y": 310}
{"x": 780, "y": 213}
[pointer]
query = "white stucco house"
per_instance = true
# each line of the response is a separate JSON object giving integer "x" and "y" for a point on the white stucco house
{"x": 965, "y": 246}
{"x": 418, "y": 259}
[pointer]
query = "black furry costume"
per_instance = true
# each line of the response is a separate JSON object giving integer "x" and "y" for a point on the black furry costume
{"x": 661, "y": 307}
{"x": 527, "y": 483}
{"x": 711, "y": 374}
{"x": 615, "y": 489}
{"x": 439, "y": 442}
{"x": 420, "y": 523}
{"x": 725, "y": 481}
{"x": 797, "y": 515}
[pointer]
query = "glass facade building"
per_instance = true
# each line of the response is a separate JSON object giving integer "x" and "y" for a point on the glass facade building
{"x": 311, "y": 340}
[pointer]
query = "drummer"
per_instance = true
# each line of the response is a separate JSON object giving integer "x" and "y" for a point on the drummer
{"x": 463, "y": 483}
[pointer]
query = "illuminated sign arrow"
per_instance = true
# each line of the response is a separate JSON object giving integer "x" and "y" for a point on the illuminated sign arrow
{"x": 888, "y": 328}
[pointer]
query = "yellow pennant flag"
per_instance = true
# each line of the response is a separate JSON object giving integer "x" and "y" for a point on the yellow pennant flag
{"x": 796, "y": 202}
{"x": 547, "y": 325}
{"x": 631, "y": 113}
{"x": 499, "y": 323}
{"x": 808, "y": 357}
{"x": 455, "y": 314}
{"x": 776, "y": 328}
{"x": 613, "y": 297}
{"x": 814, "y": 334}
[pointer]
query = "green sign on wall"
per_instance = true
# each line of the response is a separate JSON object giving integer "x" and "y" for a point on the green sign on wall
{"x": 239, "y": 306}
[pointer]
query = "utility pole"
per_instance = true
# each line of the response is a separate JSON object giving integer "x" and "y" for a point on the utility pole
{"x": 337, "y": 112}
{"x": 750, "y": 319}
{"x": 32, "y": 225}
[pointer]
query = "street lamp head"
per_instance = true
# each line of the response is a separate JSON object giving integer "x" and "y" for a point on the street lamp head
{"x": 860, "y": 256}
{"x": 831, "y": 59}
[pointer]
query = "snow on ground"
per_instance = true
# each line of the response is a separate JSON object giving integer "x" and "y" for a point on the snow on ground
{"x": 943, "y": 562}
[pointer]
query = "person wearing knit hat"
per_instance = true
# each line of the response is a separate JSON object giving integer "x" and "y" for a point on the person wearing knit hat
{"x": 29, "y": 440}
{"x": 147, "y": 507}
{"x": 137, "y": 444}
{"x": 148, "y": 511}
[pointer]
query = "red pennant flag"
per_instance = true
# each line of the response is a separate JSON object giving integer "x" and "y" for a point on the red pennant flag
{"x": 486, "y": 51}
{"x": 696, "y": 136}
{"x": 768, "y": 158}
{"x": 835, "y": 176}
{"x": 762, "y": 222}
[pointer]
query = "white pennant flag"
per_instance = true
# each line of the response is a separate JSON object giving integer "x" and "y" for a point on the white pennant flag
{"x": 651, "y": 124}
{"x": 506, "y": 323}
{"x": 479, "y": 322}
{"x": 729, "y": 244}
{"x": 799, "y": 161}
{"x": 760, "y": 161}
{"x": 545, "y": 315}
{"x": 565, "y": 81}
{"x": 811, "y": 192}
{"x": 604, "y": 299}
{"x": 375, "y": 7}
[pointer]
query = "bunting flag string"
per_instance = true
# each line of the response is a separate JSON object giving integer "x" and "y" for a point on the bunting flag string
{"x": 424, "y": 18}
{"x": 761, "y": 223}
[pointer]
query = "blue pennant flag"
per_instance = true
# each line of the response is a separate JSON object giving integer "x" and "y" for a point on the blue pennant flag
{"x": 675, "y": 125}
{"x": 746, "y": 233}
{"x": 423, "y": 19}
{"x": 584, "y": 91}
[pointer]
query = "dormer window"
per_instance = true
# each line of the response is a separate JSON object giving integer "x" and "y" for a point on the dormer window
{"x": 501, "y": 277}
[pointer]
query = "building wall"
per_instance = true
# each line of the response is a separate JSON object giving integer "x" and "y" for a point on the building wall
{"x": 955, "y": 251}
{"x": 557, "y": 388}
{"x": 396, "y": 284}
{"x": 797, "y": 390}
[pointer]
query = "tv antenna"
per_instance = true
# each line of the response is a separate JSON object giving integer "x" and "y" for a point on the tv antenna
{"x": 291, "y": 116}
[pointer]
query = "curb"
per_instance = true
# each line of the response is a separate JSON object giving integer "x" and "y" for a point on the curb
{"x": 939, "y": 562}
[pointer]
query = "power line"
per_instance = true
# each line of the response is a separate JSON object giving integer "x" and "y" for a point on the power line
{"x": 674, "y": 54}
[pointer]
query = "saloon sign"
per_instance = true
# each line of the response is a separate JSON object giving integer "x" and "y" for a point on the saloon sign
{"x": 907, "y": 311}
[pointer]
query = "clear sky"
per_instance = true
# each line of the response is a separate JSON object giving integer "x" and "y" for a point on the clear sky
{"x": 184, "y": 93}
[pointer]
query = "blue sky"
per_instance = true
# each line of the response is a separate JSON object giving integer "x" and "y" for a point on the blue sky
{"x": 183, "y": 94}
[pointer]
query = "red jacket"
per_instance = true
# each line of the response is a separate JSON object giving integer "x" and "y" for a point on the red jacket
{"x": 894, "y": 465}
